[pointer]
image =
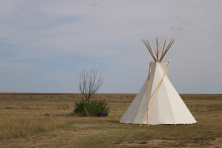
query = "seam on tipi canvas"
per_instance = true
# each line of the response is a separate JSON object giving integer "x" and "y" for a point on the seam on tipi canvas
{"x": 162, "y": 71}
{"x": 152, "y": 91}
{"x": 166, "y": 79}
{"x": 161, "y": 86}
{"x": 155, "y": 92}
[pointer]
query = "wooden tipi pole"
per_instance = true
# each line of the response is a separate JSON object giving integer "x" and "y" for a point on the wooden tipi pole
{"x": 148, "y": 94}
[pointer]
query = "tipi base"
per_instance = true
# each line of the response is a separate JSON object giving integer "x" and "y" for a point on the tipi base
{"x": 162, "y": 124}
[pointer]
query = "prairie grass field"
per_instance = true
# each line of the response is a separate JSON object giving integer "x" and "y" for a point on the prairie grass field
{"x": 47, "y": 120}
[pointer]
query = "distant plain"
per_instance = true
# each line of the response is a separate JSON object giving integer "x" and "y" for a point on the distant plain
{"x": 47, "y": 120}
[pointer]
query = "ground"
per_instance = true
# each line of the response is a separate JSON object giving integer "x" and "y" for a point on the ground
{"x": 47, "y": 120}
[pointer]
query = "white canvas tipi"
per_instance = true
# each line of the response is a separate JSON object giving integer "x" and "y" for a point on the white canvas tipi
{"x": 164, "y": 105}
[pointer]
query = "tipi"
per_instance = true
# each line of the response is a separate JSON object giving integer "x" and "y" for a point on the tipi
{"x": 158, "y": 102}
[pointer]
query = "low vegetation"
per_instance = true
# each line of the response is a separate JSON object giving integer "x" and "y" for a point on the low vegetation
{"x": 88, "y": 107}
{"x": 49, "y": 121}
{"x": 23, "y": 127}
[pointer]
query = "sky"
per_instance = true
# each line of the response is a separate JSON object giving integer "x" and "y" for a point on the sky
{"x": 45, "y": 44}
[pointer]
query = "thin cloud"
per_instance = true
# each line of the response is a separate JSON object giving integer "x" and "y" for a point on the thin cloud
{"x": 94, "y": 5}
{"x": 177, "y": 17}
{"x": 176, "y": 27}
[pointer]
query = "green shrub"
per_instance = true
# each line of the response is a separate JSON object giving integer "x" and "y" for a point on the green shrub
{"x": 81, "y": 107}
{"x": 91, "y": 107}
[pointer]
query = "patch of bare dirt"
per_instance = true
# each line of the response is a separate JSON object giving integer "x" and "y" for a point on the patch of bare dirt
{"x": 216, "y": 143}
{"x": 157, "y": 143}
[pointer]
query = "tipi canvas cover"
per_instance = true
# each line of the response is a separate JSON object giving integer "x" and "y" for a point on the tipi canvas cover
{"x": 158, "y": 102}
{"x": 164, "y": 103}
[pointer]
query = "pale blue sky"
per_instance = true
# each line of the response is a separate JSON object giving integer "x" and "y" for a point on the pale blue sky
{"x": 44, "y": 44}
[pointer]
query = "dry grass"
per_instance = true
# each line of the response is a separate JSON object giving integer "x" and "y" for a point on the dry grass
{"x": 14, "y": 128}
{"x": 46, "y": 121}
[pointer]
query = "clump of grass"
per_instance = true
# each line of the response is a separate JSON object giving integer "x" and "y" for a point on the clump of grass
{"x": 24, "y": 107}
{"x": 64, "y": 106}
{"x": 9, "y": 107}
{"x": 61, "y": 106}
